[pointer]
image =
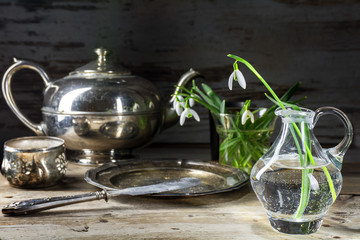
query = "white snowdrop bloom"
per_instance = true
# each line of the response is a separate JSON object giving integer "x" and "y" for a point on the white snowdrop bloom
{"x": 178, "y": 105}
{"x": 188, "y": 113}
{"x": 246, "y": 115}
{"x": 231, "y": 79}
{"x": 240, "y": 78}
{"x": 237, "y": 76}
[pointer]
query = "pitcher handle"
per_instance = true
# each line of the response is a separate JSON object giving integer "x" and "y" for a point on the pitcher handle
{"x": 339, "y": 150}
{"x": 6, "y": 89}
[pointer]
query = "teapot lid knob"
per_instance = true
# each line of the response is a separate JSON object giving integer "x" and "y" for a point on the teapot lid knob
{"x": 103, "y": 64}
{"x": 102, "y": 53}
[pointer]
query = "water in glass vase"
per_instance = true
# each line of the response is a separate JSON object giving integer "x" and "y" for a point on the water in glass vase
{"x": 296, "y": 198}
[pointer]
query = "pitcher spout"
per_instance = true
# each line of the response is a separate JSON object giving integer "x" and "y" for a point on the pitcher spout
{"x": 170, "y": 116}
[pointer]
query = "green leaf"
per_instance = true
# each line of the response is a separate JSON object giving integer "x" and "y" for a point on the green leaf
{"x": 206, "y": 98}
{"x": 293, "y": 106}
{"x": 288, "y": 94}
{"x": 227, "y": 143}
{"x": 222, "y": 107}
{"x": 211, "y": 94}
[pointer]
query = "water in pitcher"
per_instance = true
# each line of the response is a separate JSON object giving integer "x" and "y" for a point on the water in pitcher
{"x": 280, "y": 188}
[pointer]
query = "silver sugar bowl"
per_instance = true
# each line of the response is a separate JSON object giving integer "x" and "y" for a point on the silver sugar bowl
{"x": 100, "y": 110}
{"x": 34, "y": 162}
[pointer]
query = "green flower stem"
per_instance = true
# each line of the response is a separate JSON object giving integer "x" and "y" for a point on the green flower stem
{"x": 331, "y": 184}
{"x": 208, "y": 106}
{"x": 305, "y": 182}
{"x": 305, "y": 189}
{"x": 305, "y": 194}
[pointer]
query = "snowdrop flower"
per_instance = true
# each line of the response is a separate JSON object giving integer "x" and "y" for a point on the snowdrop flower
{"x": 237, "y": 76}
{"x": 191, "y": 100}
{"x": 188, "y": 113}
{"x": 178, "y": 104}
{"x": 246, "y": 115}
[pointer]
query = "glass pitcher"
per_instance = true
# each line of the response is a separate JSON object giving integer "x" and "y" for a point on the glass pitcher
{"x": 297, "y": 180}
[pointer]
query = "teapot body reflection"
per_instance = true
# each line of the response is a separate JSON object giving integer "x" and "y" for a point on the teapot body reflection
{"x": 100, "y": 110}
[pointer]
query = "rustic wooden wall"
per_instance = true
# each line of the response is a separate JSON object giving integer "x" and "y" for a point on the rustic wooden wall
{"x": 316, "y": 42}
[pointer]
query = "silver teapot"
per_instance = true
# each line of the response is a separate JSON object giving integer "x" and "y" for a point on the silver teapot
{"x": 100, "y": 110}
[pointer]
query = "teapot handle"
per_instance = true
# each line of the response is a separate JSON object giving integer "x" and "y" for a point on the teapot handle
{"x": 6, "y": 89}
{"x": 339, "y": 150}
{"x": 184, "y": 79}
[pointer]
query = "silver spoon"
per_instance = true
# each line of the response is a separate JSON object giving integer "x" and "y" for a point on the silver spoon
{"x": 36, "y": 205}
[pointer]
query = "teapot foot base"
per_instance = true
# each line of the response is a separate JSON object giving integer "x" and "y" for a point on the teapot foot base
{"x": 290, "y": 227}
{"x": 95, "y": 158}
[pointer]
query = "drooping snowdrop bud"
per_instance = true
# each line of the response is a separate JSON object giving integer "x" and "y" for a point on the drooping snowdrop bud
{"x": 240, "y": 79}
{"x": 236, "y": 75}
{"x": 191, "y": 100}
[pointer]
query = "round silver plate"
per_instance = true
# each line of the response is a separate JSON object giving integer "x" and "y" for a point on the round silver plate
{"x": 215, "y": 177}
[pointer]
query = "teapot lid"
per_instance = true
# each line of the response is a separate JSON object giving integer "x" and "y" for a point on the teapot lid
{"x": 103, "y": 65}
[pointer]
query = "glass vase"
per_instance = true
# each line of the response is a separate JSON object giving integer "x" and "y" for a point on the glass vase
{"x": 297, "y": 180}
{"x": 238, "y": 146}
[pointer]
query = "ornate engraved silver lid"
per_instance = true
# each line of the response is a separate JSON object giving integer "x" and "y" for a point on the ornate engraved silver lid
{"x": 103, "y": 88}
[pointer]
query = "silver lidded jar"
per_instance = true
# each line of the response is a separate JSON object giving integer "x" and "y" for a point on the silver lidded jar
{"x": 100, "y": 110}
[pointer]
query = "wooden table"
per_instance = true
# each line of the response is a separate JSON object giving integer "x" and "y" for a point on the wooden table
{"x": 232, "y": 215}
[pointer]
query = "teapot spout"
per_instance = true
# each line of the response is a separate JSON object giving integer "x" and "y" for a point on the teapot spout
{"x": 170, "y": 116}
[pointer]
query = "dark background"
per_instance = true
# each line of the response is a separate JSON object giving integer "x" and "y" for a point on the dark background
{"x": 315, "y": 42}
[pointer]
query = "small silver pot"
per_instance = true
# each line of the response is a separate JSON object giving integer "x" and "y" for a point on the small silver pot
{"x": 34, "y": 162}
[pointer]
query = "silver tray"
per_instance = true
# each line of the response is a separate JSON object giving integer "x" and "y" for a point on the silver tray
{"x": 215, "y": 177}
